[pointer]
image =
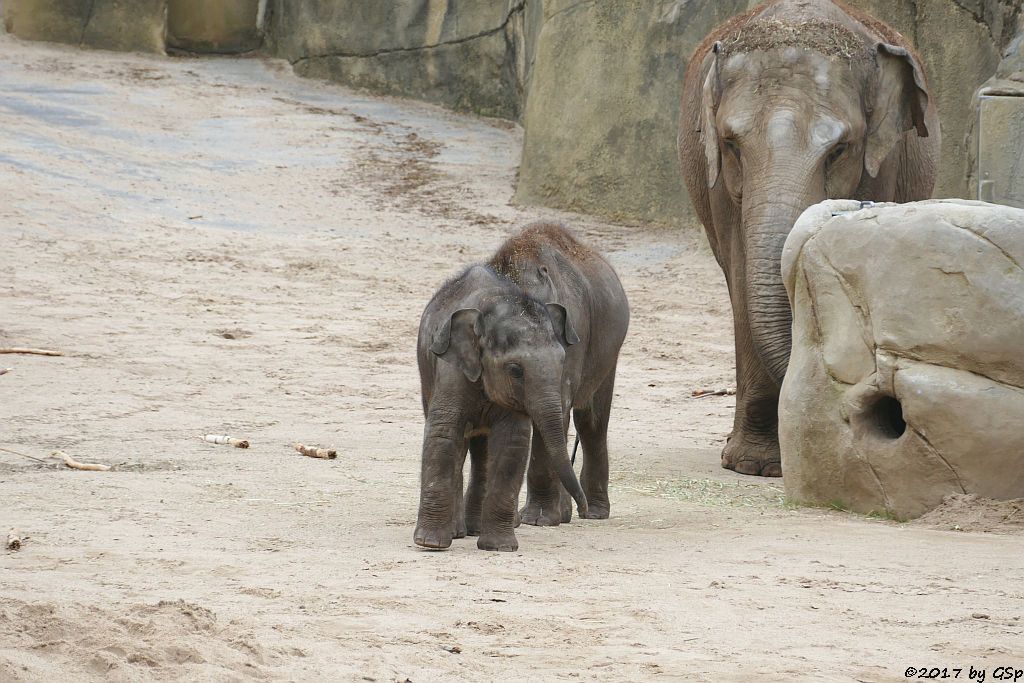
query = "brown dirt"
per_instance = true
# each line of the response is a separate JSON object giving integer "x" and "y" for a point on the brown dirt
{"x": 205, "y": 242}
{"x": 968, "y": 512}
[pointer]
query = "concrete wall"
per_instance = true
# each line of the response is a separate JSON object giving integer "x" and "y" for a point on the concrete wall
{"x": 458, "y": 53}
{"x": 595, "y": 83}
{"x": 135, "y": 25}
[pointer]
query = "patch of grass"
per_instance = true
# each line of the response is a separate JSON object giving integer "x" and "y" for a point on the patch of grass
{"x": 711, "y": 493}
{"x": 840, "y": 506}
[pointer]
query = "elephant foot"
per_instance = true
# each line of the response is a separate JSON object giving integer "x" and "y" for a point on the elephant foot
{"x": 756, "y": 458}
{"x": 504, "y": 542}
{"x": 597, "y": 510}
{"x": 460, "y": 529}
{"x": 436, "y": 539}
{"x": 535, "y": 514}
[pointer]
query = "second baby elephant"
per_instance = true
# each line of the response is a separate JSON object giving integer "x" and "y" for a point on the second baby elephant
{"x": 505, "y": 351}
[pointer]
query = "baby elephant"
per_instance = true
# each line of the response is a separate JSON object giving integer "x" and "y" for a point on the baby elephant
{"x": 505, "y": 349}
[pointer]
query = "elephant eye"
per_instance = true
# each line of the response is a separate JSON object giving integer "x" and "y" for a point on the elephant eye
{"x": 515, "y": 370}
{"x": 837, "y": 152}
{"x": 733, "y": 147}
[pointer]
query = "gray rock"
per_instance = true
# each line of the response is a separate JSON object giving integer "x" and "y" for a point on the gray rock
{"x": 458, "y": 53}
{"x": 906, "y": 379}
{"x": 213, "y": 26}
{"x": 133, "y": 25}
{"x": 603, "y": 103}
{"x": 997, "y": 138}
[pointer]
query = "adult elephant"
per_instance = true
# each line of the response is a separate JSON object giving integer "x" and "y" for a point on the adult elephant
{"x": 789, "y": 104}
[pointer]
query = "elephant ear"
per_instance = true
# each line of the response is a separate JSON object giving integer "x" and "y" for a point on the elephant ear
{"x": 708, "y": 107}
{"x": 901, "y": 101}
{"x": 458, "y": 342}
{"x": 563, "y": 327}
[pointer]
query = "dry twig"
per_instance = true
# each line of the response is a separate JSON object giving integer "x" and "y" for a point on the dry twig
{"x": 32, "y": 352}
{"x": 310, "y": 451}
{"x": 13, "y": 540}
{"x": 4, "y": 371}
{"x": 225, "y": 440}
{"x": 75, "y": 465}
{"x": 704, "y": 393}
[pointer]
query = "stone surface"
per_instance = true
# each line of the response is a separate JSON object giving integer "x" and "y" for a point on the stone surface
{"x": 463, "y": 54}
{"x": 998, "y": 137}
{"x": 213, "y": 26}
{"x": 603, "y": 102}
{"x": 906, "y": 379}
{"x": 130, "y": 25}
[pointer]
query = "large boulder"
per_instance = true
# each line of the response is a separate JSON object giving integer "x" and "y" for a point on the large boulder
{"x": 906, "y": 380}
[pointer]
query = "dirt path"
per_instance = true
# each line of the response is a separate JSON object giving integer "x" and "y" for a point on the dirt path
{"x": 222, "y": 248}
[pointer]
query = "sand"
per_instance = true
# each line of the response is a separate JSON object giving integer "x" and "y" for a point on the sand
{"x": 221, "y": 248}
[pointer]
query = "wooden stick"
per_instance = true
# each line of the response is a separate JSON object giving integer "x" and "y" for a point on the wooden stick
{"x": 13, "y": 540}
{"x": 4, "y": 371}
{"x": 225, "y": 440}
{"x": 30, "y": 457}
{"x": 33, "y": 352}
{"x": 704, "y": 393}
{"x": 310, "y": 451}
{"x": 75, "y": 465}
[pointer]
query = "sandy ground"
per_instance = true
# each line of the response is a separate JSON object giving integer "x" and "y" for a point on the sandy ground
{"x": 220, "y": 247}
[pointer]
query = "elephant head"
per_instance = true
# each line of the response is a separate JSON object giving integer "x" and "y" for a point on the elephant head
{"x": 516, "y": 345}
{"x": 787, "y": 122}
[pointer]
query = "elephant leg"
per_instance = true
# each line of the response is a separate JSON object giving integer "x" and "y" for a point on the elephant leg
{"x": 444, "y": 447}
{"x": 508, "y": 451}
{"x": 753, "y": 445}
{"x": 477, "y": 484}
{"x": 592, "y": 426}
{"x": 459, "y": 509}
{"x": 544, "y": 493}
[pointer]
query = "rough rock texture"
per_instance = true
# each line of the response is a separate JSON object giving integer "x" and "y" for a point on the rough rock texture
{"x": 997, "y": 169}
{"x": 463, "y": 54}
{"x": 906, "y": 380}
{"x": 213, "y": 26}
{"x": 603, "y": 102}
{"x": 131, "y": 25}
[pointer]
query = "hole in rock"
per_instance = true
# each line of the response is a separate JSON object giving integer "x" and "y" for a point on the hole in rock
{"x": 885, "y": 417}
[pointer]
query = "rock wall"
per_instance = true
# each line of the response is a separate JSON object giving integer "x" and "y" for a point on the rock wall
{"x": 463, "y": 54}
{"x": 221, "y": 27}
{"x": 595, "y": 83}
{"x": 134, "y": 25}
{"x": 997, "y": 138}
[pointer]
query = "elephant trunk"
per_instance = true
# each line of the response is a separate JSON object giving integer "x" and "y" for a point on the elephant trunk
{"x": 551, "y": 425}
{"x": 768, "y": 216}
